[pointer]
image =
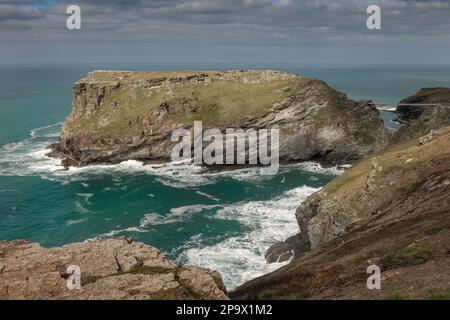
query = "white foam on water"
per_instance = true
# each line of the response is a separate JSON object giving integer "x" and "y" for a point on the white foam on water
{"x": 192, "y": 209}
{"x": 387, "y": 107}
{"x": 28, "y": 157}
{"x": 114, "y": 233}
{"x": 238, "y": 258}
{"x": 314, "y": 167}
{"x": 80, "y": 209}
{"x": 85, "y": 196}
{"x": 73, "y": 222}
{"x": 204, "y": 194}
{"x": 178, "y": 214}
{"x": 241, "y": 258}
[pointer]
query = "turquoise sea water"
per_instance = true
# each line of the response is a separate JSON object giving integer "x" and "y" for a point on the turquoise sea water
{"x": 220, "y": 220}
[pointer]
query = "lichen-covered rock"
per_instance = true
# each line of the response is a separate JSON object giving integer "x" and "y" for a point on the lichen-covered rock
{"x": 110, "y": 269}
{"x": 123, "y": 115}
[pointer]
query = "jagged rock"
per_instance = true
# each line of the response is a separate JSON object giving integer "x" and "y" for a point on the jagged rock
{"x": 426, "y": 138}
{"x": 110, "y": 269}
{"x": 426, "y": 110}
{"x": 364, "y": 189}
{"x": 420, "y": 121}
{"x": 283, "y": 251}
{"x": 123, "y": 115}
{"x": 391, "y": 210}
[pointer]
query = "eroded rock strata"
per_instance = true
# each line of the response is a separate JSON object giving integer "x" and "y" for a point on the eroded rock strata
{"x": 110, "y": 269}
{"x": 426, "y": 110}
{"x": 391, "y": 210}
{"x": 123, "y": 115}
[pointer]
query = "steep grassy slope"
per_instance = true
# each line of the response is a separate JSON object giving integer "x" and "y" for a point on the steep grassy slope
{"x": 392, "y": 210}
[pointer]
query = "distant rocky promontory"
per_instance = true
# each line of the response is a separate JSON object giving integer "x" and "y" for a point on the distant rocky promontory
{"x": 123, "y": 115}
{"x": 425, "y": 110}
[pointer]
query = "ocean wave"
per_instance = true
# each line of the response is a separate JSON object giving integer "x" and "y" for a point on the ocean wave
{"x": 85, "y": 196}
{"x": 207, "y": 195}
{"x": 114, "y": 233}
{"x": 73, "y": 222}
{"x": 28, "y": 157}
{"x": 80, "y": 208}
{"x": 175, "y": 215}
{"x": 241, "y": 258}
{"x": 238, "y": 258}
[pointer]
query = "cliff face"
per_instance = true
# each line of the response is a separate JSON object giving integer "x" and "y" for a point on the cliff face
{"x": 428, "y": 109}
{"x": 110, "y": 270}
{"x": 121, "y": 115}
{"x": 391, "y": 210}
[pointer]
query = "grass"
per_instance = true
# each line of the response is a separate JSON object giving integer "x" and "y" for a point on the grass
{"x": 398, "y": 296}
{"x": 222, "y": 102}
{"x": 149, "y": 270}
{"x": 443, "y": 296}
{"x": 411, "y": 250}
{"x": 364, "y": 137}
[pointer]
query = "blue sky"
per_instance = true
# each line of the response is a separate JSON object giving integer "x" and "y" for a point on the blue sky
{"x": 178, "y": 31}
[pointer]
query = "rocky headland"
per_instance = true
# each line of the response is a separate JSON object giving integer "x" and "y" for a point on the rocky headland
{"x": 391, "y": 210}
{"x": 426, "y": 110}
{"x": 125, "y": 115}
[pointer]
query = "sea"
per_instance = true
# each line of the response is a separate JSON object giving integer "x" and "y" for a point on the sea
{"x": 221, "y": 220}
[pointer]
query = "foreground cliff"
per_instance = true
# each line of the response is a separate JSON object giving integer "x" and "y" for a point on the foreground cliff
{"x": 391, "y": 210}
{"x": 110, "y": 269}
{"x": 122, "y": 115}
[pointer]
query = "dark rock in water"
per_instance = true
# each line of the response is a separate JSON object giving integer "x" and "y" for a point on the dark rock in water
{"x": 429, "y": 109}
{"x": 123, "y": 115}
{"x": 67, "y": 162}
{"x": 391, "y": 210}
{"x": 283, "y": 251}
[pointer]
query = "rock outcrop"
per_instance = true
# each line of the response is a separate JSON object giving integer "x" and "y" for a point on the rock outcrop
{"x": 363, "y": 191}
{"x": 428, "y": 109}
{"x": 110, "y": 270}
{"x": 391, "y": 210}
{"x": 123, "y": 115}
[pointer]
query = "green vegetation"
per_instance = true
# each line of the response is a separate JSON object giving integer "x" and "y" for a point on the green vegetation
{"x": 149, "y": 270}
{"x": 398, "y": 296}
{"x": 219, "y": 102}
{"x": 411, "y": 250}
{"x": 364, "y": 137}
{"x": 442, "y": 296}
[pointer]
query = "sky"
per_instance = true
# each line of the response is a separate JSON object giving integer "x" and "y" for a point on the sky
{"x": 208, "y": 31}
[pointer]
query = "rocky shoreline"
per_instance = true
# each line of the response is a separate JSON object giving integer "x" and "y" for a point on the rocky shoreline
{"x": 391, "y": 208}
